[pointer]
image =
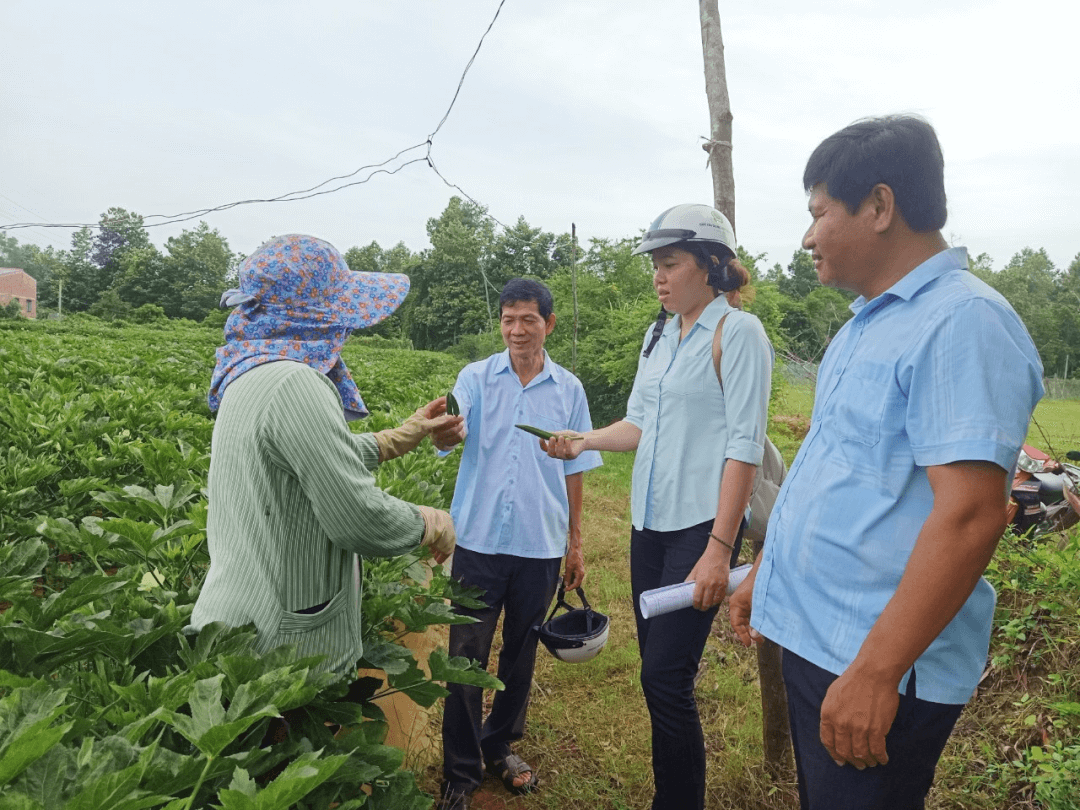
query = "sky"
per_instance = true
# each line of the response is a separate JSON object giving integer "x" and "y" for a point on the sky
{"x": 585, "y": 112}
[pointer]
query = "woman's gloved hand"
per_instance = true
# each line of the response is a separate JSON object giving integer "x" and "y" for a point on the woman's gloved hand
{"x": 398, "y": 441}
{"x": 439, "y": 534}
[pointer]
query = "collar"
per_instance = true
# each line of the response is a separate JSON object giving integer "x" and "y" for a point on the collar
{"x": 502, "y": 365}
{"x": 913, "y": 282}
{"x": 708, "y": 319}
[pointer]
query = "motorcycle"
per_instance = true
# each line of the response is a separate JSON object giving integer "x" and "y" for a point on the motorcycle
{"x": 1044, "y": 495}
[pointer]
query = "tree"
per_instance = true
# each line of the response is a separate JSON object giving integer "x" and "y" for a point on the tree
{"x": 368, "y": 259}
{"x": 79, "y": 275}
{"x": 1030, "y": 282}
{"x": 801, "y": 277}
{"x": 110, "y": 306}
{"x": 768, "y": 306}
{"x": 11, "y": 310}
{"x": 982, "y": 266}
{"x": 196, "y": 269}
{"x": 521, "y": 250}
{"x": 1069, "y": 307}
{"x": 616, "y": 305}
{"x": 141, "y": 277}
{"x": 42, "y": 264}
{"x": 186, "y": 282}
{"x": 118, "y": 230}
{"x": 95, "y": 261}
{"x": 451, "y": 295}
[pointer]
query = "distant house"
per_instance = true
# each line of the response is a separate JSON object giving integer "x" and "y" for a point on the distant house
{"x": 19, "y": 285}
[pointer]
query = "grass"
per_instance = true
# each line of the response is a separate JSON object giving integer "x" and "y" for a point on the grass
{"x": 1056, "y": 420}
{"x": 588, "y": 730}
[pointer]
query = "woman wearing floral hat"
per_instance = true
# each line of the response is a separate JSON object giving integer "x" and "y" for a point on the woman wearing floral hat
{"x": 292, "y": 500}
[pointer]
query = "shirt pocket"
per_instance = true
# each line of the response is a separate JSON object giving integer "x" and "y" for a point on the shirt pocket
{"x": 861, "y": 402}
{"x": 550, "y": 425}
{"x": 687, "y": 374}
{"x": 314, "y": 633}
{"x": 551, "y": 414}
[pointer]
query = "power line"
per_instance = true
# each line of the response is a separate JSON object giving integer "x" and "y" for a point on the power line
{"x": 33, "y": 226}
{"x": 23, "y": 207}
{"x": 293, "y": 196}
{"x": 290, "y": 197}
{"x": 464, "y": 73}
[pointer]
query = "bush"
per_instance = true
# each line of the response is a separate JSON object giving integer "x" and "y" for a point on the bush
{"x": 109, "y": 307}
{"x": 147, "y": 313}
{"x": 216, "y": 318}
{"x": 471, "y": 348}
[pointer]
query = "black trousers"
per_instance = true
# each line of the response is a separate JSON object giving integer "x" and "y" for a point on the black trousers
{"x": 914, "y": 744}
{"x": 521, "y": 589}
{"x": 671, "y": 646}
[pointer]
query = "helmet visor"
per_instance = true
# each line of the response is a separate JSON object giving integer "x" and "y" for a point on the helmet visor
{"x": 662, "y": 238}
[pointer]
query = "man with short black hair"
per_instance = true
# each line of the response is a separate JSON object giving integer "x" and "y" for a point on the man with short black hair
{"x": 517, "y": 512}
{"x": 870, "y": 578}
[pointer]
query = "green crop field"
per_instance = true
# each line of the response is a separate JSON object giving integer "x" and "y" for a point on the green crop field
{"x": 106, "y": 702}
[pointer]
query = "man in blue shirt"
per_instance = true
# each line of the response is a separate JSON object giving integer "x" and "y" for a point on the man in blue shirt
{"x": 871, "y": 574}
{"x": 514, "y": 510}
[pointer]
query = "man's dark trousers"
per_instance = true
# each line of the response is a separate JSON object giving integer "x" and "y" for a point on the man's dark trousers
{"x": 914, "y": 745}
{"x": 523, "y": 588}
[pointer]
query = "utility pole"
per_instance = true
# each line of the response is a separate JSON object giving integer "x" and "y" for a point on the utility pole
{"x": 718, "y": 146}
{"x": 573, "y": 287}
{"x": 776, "y": 730}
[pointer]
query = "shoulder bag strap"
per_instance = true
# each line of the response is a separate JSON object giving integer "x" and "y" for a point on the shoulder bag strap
{"x": 717, "y": 350}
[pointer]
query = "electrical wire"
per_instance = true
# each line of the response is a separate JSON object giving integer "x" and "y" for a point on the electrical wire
{"x": 464, "y": 73}
{"x": 303, "y": 194}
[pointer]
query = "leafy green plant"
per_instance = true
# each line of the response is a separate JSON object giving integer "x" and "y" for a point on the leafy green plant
{"x": 106, "y": 698}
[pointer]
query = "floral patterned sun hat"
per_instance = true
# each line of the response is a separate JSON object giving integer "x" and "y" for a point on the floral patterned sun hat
{"x": 298, "y": 300}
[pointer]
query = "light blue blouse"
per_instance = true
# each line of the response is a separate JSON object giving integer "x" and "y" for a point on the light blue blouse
{"x": 689, "y": 426}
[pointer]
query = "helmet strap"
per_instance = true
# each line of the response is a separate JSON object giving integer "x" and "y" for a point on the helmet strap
{"x": 657, "y": 331}
{"x": 560, "y": 602}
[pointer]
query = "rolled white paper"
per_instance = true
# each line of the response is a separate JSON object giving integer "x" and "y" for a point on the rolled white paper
{"x": 659, "y": 601}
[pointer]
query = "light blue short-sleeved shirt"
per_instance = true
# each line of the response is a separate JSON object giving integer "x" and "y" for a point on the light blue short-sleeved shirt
{"x": 937, "y": 369}
{"x": 510, "y": 496}
{"x": 689, "y": 426}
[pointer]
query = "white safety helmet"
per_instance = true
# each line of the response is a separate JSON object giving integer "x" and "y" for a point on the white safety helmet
{"x": 688, "y": 223}
{"x": 704, "y": 232}
{"x": 577, "y": 635}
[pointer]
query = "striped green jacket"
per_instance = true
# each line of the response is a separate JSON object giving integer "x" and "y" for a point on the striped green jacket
{"x": 292, "y": 504}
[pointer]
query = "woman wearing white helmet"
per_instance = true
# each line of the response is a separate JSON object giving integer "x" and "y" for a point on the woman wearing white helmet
{"x": 699, "y": 436}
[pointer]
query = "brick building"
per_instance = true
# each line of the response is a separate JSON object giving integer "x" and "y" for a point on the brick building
{"x": 17, "y": 284}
